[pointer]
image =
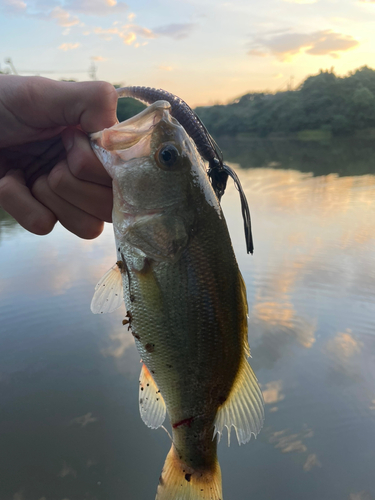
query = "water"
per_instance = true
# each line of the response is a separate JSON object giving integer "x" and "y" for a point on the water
{"x": 69, "y": 421}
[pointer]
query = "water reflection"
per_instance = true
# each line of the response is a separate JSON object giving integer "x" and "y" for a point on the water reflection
{"x": 344, "y": 156}
{"x": 66, "y": 470}
{"x": 362, "y": 495}
{"x": 272, "y": 392}
{"x": 84, "y": 420}
{"x": 288, "y": 443}
{"x": 70, "y": 425}
{"x": 311, "y": 462}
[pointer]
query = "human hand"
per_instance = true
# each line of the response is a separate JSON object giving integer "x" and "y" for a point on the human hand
{"x": 48, "y": 171}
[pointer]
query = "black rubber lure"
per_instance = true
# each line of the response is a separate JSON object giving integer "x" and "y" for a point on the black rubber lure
{"x": 218, "y": 172}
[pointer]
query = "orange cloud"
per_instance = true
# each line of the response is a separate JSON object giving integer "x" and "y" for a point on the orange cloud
{"x": 63, "y": 18}
{"x": 69, "y": 46}
{"x": 285, "y": 45}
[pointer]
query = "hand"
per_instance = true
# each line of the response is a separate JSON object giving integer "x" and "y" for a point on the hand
{"x": 48, "y": 172}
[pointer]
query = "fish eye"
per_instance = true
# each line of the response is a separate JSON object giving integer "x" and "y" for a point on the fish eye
{"x": 167, "y": 156}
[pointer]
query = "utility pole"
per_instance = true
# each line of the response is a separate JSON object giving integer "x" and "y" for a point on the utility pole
{"x": 9, "y": 61}
{"x": 92, "y": 71}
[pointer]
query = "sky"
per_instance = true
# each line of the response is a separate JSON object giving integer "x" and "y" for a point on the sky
{"x": 204, "y": 51}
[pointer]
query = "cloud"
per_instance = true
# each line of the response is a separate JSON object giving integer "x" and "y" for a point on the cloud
{"x": 128, "y": 33}
{"x": 96, "y": 7}
{"x": 62, "y": 17}
{"x": 301, "y": 1}
{"x": 69, "y": 46}
{"x": 286, "y": 45}
{"x": 176, "y": 31}
{"x": 98, "y": 58}
{"x": 62, "y": 12}
{"x": 14, "y": 6}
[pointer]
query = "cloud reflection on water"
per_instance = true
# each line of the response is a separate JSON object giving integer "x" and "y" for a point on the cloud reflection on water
{"x": 272, "y": 392}
{"x": 344, "y": 345}
{"x": 84, "y": 420}
{"x": 314, "y": 243}
{"x": 311, "y": 462}
{"x": 287, "y": 442}
{"x": 67, "y": 470}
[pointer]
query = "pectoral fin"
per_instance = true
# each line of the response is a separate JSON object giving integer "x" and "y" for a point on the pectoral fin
{"x": 108, "y": 295}
{"x": 151, "y": 403}
{"x": 244, "y": 407}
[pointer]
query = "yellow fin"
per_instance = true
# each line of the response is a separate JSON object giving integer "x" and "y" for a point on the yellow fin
{"x": 151, "y": 403}
{"x": 108, "y": 295}
{"x": 178, "y": 481}
{"x": 244, "y": 407}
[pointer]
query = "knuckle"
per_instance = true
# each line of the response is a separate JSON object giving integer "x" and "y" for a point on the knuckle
{"x": 56, "y": 178}
{"x": 39, "y": 187}
{"x": 78, "y": 164}
{"x": 6, "y": 187}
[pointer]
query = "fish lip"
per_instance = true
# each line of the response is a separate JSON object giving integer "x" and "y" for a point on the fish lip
{"x": 127, "y": 134}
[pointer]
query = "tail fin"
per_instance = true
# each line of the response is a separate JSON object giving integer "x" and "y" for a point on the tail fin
{"x": 178, "y": 481}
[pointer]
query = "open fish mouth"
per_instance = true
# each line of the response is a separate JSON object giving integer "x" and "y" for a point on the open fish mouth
{"x": 129, "y": 133}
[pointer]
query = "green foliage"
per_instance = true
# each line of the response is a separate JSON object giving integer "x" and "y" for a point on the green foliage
{"x": 326, "y": 102}
{"x": 128, "y": 107}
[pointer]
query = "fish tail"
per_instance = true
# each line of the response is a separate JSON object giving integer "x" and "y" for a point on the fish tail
{"x": 178, "y": 481}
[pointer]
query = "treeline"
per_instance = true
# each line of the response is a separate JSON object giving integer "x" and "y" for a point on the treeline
{"x": 341, "y": 105}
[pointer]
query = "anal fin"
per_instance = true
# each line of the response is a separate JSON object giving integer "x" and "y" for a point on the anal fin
{"x": 244, "y": 408}
{"x": 151, "y": 403}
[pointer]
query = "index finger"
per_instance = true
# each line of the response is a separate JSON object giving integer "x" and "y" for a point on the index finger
{"x": 17, "y": 200}
{"x": 42, "y": 103}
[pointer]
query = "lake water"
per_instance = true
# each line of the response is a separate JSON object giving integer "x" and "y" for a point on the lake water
{"x": 69, "y": 420}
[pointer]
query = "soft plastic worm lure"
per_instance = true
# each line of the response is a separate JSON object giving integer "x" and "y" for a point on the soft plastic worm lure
{"x": 218, "y": 171}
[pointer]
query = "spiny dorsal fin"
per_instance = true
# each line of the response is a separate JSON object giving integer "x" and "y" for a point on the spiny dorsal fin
{"x": 108, "y": 295}
{"x": 243, "y": 409}
{"x": 151, "y": 402}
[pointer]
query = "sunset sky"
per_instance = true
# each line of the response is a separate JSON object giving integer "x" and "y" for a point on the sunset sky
{"x": 205, "y": 51}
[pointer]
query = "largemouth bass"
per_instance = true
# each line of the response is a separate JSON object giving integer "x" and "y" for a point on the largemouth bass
{"x": 184, "y": 294}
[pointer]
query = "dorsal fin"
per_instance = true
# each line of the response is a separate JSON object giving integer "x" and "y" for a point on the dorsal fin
{"x": 151, "y": 403}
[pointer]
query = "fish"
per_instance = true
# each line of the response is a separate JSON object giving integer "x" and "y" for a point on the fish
{"x": 184, "y": 295}
{"x": 207, "y": 147}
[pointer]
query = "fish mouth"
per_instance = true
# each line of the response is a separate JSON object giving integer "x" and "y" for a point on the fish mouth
{"x": 129, "y": 133}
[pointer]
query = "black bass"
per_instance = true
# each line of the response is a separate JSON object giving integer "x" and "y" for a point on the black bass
{"x": 184, "y": 294}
